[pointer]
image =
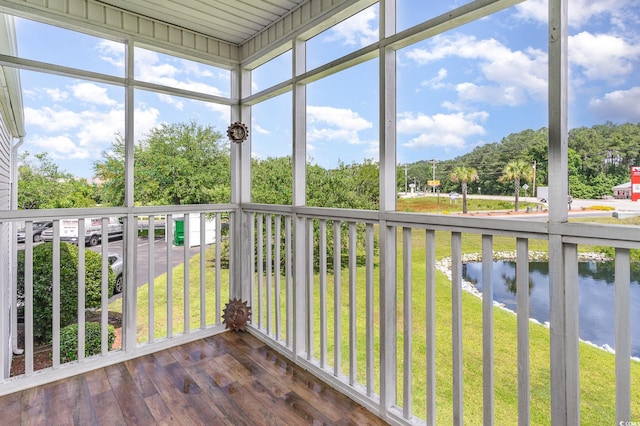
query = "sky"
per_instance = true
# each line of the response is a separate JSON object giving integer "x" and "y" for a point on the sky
{"x": 464, "y": 88}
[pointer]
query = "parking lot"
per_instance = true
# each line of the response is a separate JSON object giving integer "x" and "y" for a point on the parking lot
{"x": 142, "y": 256}
{"x": 159, "y": 256}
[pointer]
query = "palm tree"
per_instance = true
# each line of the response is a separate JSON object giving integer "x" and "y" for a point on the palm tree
{"x": 516, "y": 171}
{"x": 464, "y": 175}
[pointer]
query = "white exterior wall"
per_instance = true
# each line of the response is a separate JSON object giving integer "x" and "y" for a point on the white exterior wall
{"x": 11, "y": 128}
{"x": 5, "y": 242}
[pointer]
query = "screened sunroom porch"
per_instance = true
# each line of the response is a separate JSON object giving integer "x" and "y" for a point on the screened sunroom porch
{"x": 391, "y": 329}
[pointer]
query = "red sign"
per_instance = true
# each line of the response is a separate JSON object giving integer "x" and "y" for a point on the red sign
{"x": 635, "y": 183}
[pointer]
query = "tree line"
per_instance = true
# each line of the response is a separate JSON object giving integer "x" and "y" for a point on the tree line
{"x": 187, "y": 163}
{"x": 599, "y": 159}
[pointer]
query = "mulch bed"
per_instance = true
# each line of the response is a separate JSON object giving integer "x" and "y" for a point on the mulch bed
{"x": 42, "y": 351}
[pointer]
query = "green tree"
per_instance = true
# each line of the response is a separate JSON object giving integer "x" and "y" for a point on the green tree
{"x": 516, "y": 171}
{"x": 272, "y": 181}
{"x": 42, "y": 185}
{"x": 181, "y": 163}
{"x": 464, "y": 175}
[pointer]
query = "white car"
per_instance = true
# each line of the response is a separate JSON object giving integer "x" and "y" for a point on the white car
{"x": 117, "y": 266}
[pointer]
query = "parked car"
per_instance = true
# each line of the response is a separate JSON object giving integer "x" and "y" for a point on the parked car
{"x": 117, "y": 266}
{"x": 92, "y": 234}
{"x": 38, "y": 228}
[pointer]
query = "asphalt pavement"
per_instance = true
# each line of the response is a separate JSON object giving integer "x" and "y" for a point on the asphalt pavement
{"x": 159, "y": 256}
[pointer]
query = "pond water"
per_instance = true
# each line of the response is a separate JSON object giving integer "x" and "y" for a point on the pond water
{"x": 596, "y": 294}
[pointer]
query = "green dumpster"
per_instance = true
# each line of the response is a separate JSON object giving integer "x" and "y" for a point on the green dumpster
{"x": 178, "y": 235}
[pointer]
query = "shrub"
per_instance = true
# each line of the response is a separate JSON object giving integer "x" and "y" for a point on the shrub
{"x": 43, "y": 285}
{"x": 602, "y": 208}
{"x": 92, "y": 342}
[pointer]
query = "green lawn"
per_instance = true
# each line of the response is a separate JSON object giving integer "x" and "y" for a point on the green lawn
{"x": 597, "y": 367}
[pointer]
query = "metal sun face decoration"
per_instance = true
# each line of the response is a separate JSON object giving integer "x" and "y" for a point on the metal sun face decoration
{"x": 237, "y": 132}
{"x": 236, "y": 315}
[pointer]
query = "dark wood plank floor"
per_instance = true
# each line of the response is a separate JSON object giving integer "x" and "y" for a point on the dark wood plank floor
{"x": 228, "y": 379}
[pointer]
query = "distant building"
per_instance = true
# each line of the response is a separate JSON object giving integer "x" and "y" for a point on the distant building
{"x": 622, "y": 190}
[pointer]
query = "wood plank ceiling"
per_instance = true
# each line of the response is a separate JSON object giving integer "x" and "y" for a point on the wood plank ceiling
{"x": 233, "y": 21}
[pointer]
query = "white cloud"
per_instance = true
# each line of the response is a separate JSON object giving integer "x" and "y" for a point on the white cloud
{"x": 51, "y": 119}
{"x": 603, "y": 56}
{"x": 146, "y": 119}
{"x": 152, "y": 68}
{"x": 223, "y": 111}
{"x": 580, "y": 11}
{"x": 329, "y": 123}
{"x": 493, "y": 95}
{"x": 260, "y": 130}
{"x": 441, "y": 130}
{"x": 68, "y": 134}
{"x": 622, "y": 104}
{"x": 92, "y": 93}
{"x": 511, "y": 76}
{"x": 60, "y": 147}
{"x": 436, "y": 82}
{"x": 359, "y": 30}
{"x": 100, "y": 128}
{"x": 190, "y": 67}
{"x": 171, "y": 100}
{"x": 57, "y": 95}
{"x": 89, "y": 129}
{"x": 112, "y": 52}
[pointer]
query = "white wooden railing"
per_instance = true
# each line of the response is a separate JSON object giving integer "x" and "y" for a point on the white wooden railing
{"x": 201, "y": 295}
{"x": 356, "y": 329}
{"x": 365, "y": 337}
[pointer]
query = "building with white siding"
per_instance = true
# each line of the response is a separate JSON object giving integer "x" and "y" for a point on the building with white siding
{"x": 11, "y": 134}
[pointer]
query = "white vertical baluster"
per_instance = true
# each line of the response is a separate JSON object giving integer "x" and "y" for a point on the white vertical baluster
{"x": 370, "y": 313}
{"x": 203, "y": 261}
{"x": 169, "y": 227}
{"x": 456, "y": 323}
{"x": 81, "y": 292}
{"x": 407, "y": 321}
{"x": 353, "y": 338}
{"x": 269, "y": 278}
{"x": 337, "y": 299}
{"x": 623, "y": 336}
{"x": 430, "y": 293}
{"x": 522, "y": 294}
{"x": 260, "y": 236}
{"x": 55, "y": 306}
{"x": 310, "y": 290}
{"x": 277, "y": 302}
{"x": 150, "y": 276}
{"x": 487, "y": 330}
{"x": 323, "y": 291}
{"x": 186, "y": 281}
{"x": 289, "y": 279}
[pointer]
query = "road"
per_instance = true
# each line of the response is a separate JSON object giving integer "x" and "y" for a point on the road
{"x": 159, "y": 258}
{"x": 620, "y": 206}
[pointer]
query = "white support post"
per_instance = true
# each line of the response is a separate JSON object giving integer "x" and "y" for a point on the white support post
{"x": 241, "y": 256}
{"x": 129, "y": 295}
{"x": 564, "y": 388}
{"x": 299, "y": 112}
{"x": 388, "y": 242}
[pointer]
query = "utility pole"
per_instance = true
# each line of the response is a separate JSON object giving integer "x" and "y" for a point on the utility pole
{"x": 405, "y": 179}
{"x": 433, "y": 165}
